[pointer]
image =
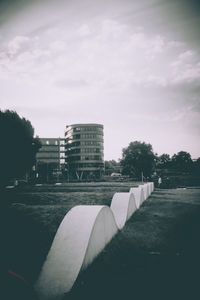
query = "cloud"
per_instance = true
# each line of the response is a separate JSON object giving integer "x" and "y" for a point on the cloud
{"x": 120, "y": 63}
{"x": 69, "y": 83}
{"x": 19, "y": 42}
{"x": 186, "y": 56}
{"x": 105, "y": 53}
{"x": 84, "y": 30}
{"x": 100, "y": 55}
{"x": 186, "y": 68}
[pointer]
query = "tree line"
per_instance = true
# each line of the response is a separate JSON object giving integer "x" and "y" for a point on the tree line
{"x": 19, "y": 147}
{"x": 138, "y": 159}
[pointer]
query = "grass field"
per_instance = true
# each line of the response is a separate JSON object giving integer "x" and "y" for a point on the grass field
{"x": 36, "y": 212}
{"x": 155, "y": 256}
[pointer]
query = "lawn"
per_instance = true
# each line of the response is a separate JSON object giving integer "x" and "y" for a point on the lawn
{"x": 155, "y": 256}
{"x": 36, "y": 212}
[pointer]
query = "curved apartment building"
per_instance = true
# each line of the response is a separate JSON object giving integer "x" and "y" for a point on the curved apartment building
{"x": 84, "y": 147}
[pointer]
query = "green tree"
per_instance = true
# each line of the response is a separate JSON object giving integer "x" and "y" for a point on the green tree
{"x": 112, "y": 166}
{"x": 182, "y": 161}
{"x": 138, "y": 158}
{"x": 163, "y": 161}
{"x": 196, "y": 167}
{"x": 18, "y": 146}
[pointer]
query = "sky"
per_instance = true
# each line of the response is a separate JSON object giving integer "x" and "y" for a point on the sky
{"x": 131, "y": 65}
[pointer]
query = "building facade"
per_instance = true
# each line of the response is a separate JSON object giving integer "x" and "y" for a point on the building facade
{"x": 50, "y": 160}
{"x": 84, "y": 145}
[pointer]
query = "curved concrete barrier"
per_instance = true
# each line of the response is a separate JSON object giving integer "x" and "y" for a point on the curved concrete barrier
{"x": 123, "y": 205}
{"x": 148, "y": 189}
{"x": 138, "y": 194}
{"x": 82, "y": 235}
{"x": 150, "y": 184}
{"x": 144, "y": 187}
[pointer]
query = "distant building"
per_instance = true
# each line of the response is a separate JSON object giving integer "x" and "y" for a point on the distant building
{"x": 84, "y": 146}
{"x": 80, "y": 155}
{"x": 50, "y": 160}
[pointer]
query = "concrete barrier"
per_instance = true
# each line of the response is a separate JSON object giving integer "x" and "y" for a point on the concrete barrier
{"x": 150, "y": 184}
{"x": 148, "y": 189}
{"x": 82, "y": 235}
{"x": 145, "y": 189}
{"x": 123, "y": 205}
{"x": 138, "y": 194}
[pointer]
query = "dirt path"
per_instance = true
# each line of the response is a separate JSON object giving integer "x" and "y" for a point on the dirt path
{"x": 156, "y": 255}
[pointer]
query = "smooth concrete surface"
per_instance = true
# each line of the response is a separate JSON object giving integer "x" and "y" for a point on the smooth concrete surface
{"x": 138, "y": 194}
{"x": 148, "y": 189}
{"x": 145, "y": 190}
{"x": 82, "y": 235}
{"x": 151, "y": 186}
{"x": 123, "y": 206}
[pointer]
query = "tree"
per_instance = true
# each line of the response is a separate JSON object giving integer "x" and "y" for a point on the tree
{"x": 163, "y": 161}
{"x": 182, "y": 161}
{"x": 196, "y": 167}
{"x": 138, "y": 158}
{"x": 112, "y": 166}
{"x": 18, "y": 146}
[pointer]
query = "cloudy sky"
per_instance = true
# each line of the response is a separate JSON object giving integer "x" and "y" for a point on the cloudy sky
{"x": 131, "y": 65}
